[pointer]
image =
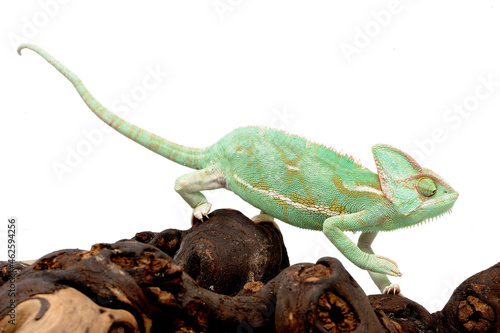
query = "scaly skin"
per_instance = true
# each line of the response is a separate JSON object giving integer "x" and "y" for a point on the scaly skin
{"x": 300, "y": 182}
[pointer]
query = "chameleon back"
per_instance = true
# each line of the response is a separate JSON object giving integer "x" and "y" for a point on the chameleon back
{"x": 295, "y": 180}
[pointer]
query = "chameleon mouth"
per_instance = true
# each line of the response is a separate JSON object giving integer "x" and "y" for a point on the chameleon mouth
{"x": 447, "y": 212}
{"x": 430, "y": 219}
{"x": 419, "y": 222}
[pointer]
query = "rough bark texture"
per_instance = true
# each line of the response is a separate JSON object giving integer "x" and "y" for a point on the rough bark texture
{"x": 399, "y": 314}
{"x": 475, "y": 304}
{"x": 251, "y": 252}
{"x": 227, "y": 275}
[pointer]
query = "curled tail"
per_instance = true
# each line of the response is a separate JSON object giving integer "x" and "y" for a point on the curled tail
{"x": 191, "y": 157}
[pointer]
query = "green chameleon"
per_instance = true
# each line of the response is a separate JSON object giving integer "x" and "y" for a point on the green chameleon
{"x": 299, "y": 182}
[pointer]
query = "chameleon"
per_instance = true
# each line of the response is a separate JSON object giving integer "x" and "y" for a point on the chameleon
{"x": 299, "y": 182}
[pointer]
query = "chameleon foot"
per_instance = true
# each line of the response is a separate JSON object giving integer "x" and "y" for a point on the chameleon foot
{"x": 202, "y": 210}
{"x": 381, "y": 264}
{"x": 263, "y": 217}
{"x": 392, "y": 289}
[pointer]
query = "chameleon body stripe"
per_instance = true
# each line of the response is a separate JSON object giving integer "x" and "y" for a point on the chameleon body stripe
{"x": 270, "y": 193}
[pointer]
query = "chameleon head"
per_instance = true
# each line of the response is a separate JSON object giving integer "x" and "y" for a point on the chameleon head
{"x": 416, "y": 193}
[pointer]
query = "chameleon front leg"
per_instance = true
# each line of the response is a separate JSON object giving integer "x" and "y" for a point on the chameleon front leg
{"x": 384, "y": 285}
{"x": 333, "y": 229}
{"x": 190, "y": 185}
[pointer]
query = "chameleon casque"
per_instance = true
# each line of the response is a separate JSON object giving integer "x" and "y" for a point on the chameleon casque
{"x": 299, "y": 182}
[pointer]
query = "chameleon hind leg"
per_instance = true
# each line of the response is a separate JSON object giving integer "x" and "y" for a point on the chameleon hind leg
{"x": 384, "y": 285}
{"x": 190, "y": 185}
{"x": 264, "y": 217}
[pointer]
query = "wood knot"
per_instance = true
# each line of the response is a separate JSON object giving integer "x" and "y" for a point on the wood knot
{"x": 335, "y": 314}
{"x": 475, "y": 315}
{"x": 315, "y": 273}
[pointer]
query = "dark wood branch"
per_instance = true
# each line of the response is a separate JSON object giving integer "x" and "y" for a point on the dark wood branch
{"x": 475, "y": 304}
{"x": 228, "y": 275}
{"x": 400, "y": 314}
{"x": 251, "y": 252}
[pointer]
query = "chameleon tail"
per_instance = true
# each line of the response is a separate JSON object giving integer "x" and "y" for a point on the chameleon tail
{"x": 191, "y": 157}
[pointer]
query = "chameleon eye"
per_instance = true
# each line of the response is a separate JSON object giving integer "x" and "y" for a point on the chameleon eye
{"x": 426, "y": 187}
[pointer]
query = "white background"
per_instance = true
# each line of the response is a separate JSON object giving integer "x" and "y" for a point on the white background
{"x": 236, "y": 63}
